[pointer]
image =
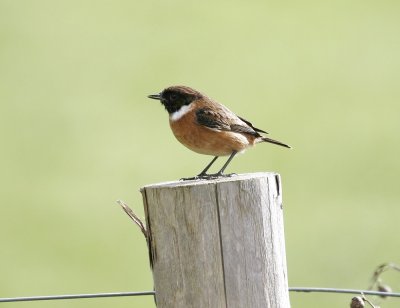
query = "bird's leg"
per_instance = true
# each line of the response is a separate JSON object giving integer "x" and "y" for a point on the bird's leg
{"x": 221, "y": 172}
{"x": 202, "y": 174}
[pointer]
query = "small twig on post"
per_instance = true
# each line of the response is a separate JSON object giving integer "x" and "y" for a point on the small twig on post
{"x": 140, "y": 224}
{"x": 142, "y": 228}
{"x": 134, "y": 217}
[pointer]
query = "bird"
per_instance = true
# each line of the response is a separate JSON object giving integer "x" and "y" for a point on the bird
{"x": 207, "y": 127}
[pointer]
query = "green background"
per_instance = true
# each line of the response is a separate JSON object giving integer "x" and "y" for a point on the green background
{"x": 77, "y": 133}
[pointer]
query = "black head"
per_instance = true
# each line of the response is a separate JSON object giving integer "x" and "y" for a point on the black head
{"x": 173, "y": 98}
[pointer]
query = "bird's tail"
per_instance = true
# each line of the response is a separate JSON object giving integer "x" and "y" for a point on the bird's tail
{"x": 265, "y": 139}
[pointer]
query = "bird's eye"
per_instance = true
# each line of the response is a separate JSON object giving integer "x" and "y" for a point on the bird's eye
{"x": 173, "y": 96}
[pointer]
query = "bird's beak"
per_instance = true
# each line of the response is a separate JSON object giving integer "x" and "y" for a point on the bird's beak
{"x": 155, "y": 96}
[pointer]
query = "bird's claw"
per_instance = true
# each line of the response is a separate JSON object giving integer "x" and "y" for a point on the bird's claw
{"x": 208, "y": 176}
{"x": 197, "y": 177}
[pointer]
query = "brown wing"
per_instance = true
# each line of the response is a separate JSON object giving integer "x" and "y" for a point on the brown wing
{"x": 223, "y": 119}
{"x": 251, "y": 125}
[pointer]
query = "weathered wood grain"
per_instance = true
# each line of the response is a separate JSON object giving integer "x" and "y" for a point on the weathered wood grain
{"x": 218, "y": 243}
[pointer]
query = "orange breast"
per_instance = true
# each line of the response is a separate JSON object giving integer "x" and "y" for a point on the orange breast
{"x": 208, "y": 141}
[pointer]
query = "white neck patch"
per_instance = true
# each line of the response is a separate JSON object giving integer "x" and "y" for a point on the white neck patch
{"x": 175, "y": 116}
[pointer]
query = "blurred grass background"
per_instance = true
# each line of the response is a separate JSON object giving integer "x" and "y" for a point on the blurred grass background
{"x": 77, "y": 133}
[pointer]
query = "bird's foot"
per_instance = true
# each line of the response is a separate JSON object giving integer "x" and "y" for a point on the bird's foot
{"x": 221, "y": 175}
{"x": 197, "y": 177}
{"x": 208, "y": 176}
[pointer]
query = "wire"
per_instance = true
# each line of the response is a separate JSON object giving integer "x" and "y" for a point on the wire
{"x": 346, "y": 291}
{"x": 145, "y": 293}
{"x": 73, "y": 296}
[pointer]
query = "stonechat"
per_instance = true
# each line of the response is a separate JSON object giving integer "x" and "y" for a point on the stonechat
{"x": 208, "y": 127}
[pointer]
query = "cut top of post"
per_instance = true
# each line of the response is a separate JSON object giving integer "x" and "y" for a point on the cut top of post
{"x": 233, "y": 178}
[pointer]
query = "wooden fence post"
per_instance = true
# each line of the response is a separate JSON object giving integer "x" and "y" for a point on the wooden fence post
{"x": 218, "y": 243}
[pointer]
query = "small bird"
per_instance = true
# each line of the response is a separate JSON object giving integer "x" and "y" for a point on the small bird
{"x": 208, "y": 127}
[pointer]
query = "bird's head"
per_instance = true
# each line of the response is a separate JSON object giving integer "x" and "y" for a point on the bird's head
{"x": 175, "y": 97}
